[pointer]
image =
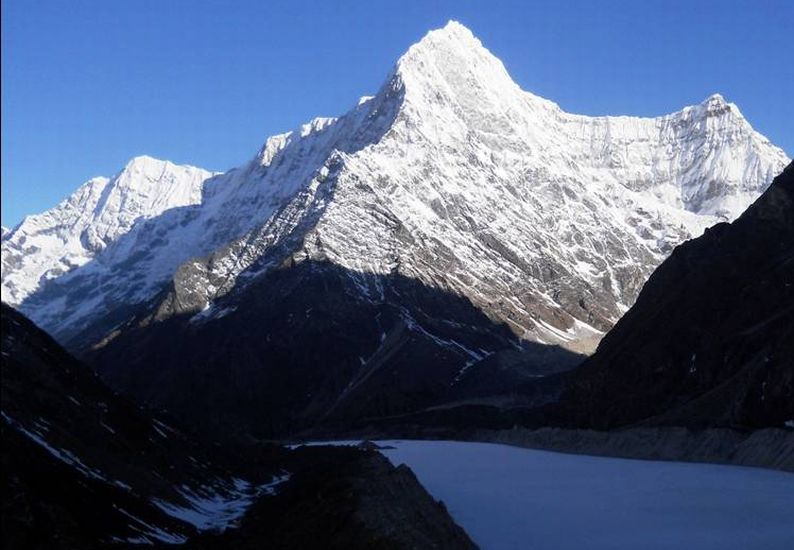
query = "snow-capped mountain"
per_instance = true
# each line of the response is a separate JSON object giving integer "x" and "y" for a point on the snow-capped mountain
{"x": 451, "y": 175}
{"x": 47, "y": 245}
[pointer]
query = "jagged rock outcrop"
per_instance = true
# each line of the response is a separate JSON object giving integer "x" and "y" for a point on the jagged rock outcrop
{"x": 341, "y": 498}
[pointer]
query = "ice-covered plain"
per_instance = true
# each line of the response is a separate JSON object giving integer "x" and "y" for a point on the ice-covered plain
{"x": 509, "y": 498}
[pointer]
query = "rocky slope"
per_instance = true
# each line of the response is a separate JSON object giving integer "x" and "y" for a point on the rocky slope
{"x": 345, "y": 499}
{"x": 766, "y": 448}
{"x": 450, "y": 175}
{"x": 701, "y": 368}
{"x": 710, "y": 341}
{"x": 83, "y": 467}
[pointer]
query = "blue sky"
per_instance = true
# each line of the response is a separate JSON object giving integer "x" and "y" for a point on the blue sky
{"x": 86, "y": 85}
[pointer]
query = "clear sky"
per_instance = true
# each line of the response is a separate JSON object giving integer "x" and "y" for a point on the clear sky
{"x": 87, "y": 84}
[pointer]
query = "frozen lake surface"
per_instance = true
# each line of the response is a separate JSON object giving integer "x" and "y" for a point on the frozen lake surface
{"x": 512, "y": 498}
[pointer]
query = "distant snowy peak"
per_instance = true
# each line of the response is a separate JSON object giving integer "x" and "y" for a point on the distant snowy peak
{"x": 49, "y": 244}
{"x": 145, "y": 188}
{"x": 448, "y": 57}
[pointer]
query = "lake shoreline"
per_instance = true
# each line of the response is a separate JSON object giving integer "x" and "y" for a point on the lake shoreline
{"x": 769, "y": 448}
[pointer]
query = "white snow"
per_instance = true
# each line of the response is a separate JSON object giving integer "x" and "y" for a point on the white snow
{"x": 450, "y": 175}
{"x": 508, "y": 498}
{"x": 46, "y": 245}
{"x": 163, "y": 426}
{"x": 159, "y": 431}
{"x": 148, "y": 533}
{"x": 213, "y": 511}
{"x": 63, "y": 455}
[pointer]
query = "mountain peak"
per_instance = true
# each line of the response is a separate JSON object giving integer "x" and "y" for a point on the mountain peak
{"x": 453, "y": 31}
{"x": 99, "y": 212}
{"x": 142, "y": 162}
{"x": 452, "y": 34}
{"x": 150, "y": 166}
{"x": 715, "y": 99}
{"x": 451, "y": 174}
{"x": 450, "y": 74}
{"x": 715, "y": 105}
{"x": 149, "y": 177}
{"x": 452, "y": 47}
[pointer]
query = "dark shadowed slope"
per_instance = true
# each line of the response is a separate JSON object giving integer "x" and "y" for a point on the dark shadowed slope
{"x": 341, "y": 498}
{"x": 302, "y": 346}
{"x": 710, "y": 341}
{"x": 83, "y": 467}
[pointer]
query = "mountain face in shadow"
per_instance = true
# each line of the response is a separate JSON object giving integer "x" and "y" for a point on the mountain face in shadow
{"x": 83, "y": 467}
{"x": 710, "y": 341}
{"x": 311, "y": 344}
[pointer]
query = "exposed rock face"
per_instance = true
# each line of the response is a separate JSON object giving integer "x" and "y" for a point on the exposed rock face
{"x": 710, "y": 341}
{"x": 450, "y": 175}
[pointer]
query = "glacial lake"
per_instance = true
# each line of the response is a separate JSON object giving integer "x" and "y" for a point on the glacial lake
{"x": 509, "y": 498}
